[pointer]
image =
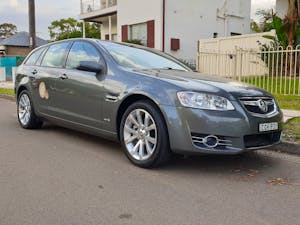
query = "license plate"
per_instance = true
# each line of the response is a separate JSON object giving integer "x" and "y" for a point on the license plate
{"x": 263, "y": 127}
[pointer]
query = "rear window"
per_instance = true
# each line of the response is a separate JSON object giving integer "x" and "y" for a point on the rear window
{"x": 33, "y": 58}
{"x": 56, "y": 55}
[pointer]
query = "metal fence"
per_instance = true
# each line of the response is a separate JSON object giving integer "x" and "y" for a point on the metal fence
{"x": 276, "y": 70}
{"x": 7, "y": 65}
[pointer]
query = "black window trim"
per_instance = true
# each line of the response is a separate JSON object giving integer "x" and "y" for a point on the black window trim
{"x": 34, "y": 51}
{"x": 64, "y": 60}
{"x": 102, "y": 59}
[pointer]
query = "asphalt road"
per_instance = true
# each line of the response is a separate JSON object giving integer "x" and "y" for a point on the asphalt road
{"x": 55, "y": 176}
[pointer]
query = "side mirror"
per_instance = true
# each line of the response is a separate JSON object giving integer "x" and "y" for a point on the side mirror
{"x": 90, "y": 66}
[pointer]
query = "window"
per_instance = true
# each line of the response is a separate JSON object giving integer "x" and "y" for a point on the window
{"x": 141, "y": 58}
{"x": 56, "y": 54}
{"x": 33, "y": 58}
{"x": 138, "y": 32}
{"x": 82, "y": 51}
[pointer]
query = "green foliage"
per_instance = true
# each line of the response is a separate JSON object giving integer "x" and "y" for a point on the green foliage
{"x": 281, "y": 37}
{"x": 7, "y": 30}
{"x": 265, "y": 18}
{"x": 255, "y": 27}
{"x": 71, "y": 28}
{"x": 6, "y": 91}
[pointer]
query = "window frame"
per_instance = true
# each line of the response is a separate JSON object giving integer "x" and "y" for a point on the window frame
{"x": 63, "y": 60}
{"x": 151, "y": 50}
{"x": 43, "y": 48}
{"x": 102, "y": 60}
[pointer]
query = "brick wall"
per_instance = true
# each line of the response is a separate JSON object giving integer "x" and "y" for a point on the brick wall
{"x": 18, "y": 51}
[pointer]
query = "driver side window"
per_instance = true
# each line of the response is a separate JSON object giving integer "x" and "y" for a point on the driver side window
{"x": 82, "y": 51}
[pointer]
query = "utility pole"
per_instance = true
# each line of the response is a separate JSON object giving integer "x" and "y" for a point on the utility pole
{"x": 31, "y": 14}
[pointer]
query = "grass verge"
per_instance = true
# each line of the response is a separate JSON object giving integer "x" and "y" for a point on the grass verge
{"x": 6, "y": 91}
{"x": 291, "y": 102}
{"x": 291, "y": 130}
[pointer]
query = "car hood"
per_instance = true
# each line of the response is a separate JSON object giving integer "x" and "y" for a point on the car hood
{"x": 206, "y": 83}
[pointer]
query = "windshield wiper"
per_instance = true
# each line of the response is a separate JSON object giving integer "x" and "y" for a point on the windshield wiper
{"x": 166, "y": 68}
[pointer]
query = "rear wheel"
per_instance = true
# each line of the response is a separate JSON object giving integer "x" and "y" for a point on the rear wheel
{"x": 144, "y": 135}
{"x": 26, "y": 115}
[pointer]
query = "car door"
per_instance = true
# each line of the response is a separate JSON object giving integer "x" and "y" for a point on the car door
{"x": 31, "y": 70}
{"x": 47, "y": 71}
{"x": 80, "y": 93}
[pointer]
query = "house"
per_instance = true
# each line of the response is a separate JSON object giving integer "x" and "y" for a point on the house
{"x": 18, "y": 44}
{"x": 169, "y": 25}
{"x": 281, "y": 8}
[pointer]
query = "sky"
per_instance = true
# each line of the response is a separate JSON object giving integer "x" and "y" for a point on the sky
{"x": 15, "y": 11}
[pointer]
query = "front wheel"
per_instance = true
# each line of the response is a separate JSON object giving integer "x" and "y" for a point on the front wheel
{"x": 26, "y": 115}
{"x": 144, "y": 135}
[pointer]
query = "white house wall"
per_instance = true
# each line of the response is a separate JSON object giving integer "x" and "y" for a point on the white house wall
{"x": 104, "y": 27}
{"x": 192, "y": 20}
{"x": 189, "y": 21}
{"x": 140, "y": 11}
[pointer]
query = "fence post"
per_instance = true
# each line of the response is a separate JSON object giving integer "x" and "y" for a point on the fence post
{"x": 14, "y": 74}
{"x": 237, "y": 67}
{"x": 198, "y": 56}
{"x": 2, "y": 74}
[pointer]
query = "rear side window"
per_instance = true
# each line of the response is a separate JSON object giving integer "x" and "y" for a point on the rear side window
{"x": 82, "y": 51}
{"x": 34, "y": 57}
{"x": 56, "y": 55}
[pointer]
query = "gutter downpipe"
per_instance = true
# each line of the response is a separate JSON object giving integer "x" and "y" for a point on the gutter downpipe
{"x": 164, "y": 25}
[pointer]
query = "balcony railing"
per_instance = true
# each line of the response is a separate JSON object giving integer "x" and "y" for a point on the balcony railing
{"x": 88, "y": 6}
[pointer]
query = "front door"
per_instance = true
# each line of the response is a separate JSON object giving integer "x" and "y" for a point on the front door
{"x": 79, "y": 93}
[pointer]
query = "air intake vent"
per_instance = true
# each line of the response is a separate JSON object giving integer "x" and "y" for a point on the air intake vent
{"x": 210, "y": 141}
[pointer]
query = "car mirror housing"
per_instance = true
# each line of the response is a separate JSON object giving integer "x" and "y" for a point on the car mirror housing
{"x": 90, "y": 66}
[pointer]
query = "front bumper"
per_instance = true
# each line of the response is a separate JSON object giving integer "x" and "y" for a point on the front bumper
{"x": 236, "y": 131}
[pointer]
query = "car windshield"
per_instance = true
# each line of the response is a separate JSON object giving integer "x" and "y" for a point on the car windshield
{"x": 141, "y": 58}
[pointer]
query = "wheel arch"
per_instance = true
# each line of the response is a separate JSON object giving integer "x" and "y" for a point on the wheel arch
{"x": 129, "y": 100}
{"x": 19, "y": 90}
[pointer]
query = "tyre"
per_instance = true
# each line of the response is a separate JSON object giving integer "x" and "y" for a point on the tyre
{"x": 144, "y": 135}
{"x": 26, "y": 115}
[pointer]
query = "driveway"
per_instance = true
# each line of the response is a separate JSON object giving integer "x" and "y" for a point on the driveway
{"x": 57, "y": 176}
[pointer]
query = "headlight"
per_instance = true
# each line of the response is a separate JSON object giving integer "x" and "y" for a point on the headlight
{"x": 204, "y": 101}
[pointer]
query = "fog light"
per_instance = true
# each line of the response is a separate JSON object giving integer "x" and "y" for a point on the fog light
{"x": 211, "y": 141}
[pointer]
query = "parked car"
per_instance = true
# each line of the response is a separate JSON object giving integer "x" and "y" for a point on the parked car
{"x": 149, "y": 101}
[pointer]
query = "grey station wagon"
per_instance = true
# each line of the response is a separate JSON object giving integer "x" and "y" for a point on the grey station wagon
{"x": 149, "y": 101}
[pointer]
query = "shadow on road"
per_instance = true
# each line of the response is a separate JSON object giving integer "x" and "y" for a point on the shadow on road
{"x": 249, "y": 164}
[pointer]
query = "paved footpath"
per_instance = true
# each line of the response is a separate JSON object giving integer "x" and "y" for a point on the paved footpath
{"x": 289, "y": 114}
{"x": 55, "y": 176}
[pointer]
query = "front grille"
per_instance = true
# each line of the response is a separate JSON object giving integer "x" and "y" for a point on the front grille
{"x": 199, "y": 141}
{"x": 259, "y": 105}
{"x": 261, "y": 140}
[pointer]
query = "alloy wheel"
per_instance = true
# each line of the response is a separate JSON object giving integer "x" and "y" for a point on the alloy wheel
{"x": 140, "y": 134}
{"x": 24, "y": 109}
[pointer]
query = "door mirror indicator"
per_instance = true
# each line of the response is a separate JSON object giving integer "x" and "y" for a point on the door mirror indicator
{"x": 90, "y": 66}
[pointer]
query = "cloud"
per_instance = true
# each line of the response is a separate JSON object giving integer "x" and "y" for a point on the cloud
{"x": 16, "y": 12}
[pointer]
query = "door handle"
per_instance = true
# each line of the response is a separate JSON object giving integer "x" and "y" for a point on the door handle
{"x": 63, "y": 76}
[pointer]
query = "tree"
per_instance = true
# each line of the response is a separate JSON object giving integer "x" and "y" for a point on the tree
{"x": 291, "y": 20}
{"x": 71, "y": 28}
{"x": 7, "y": 30}
{"x": 265, "y": 18}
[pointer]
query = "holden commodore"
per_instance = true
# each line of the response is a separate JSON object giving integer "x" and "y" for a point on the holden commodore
{"x": 147, "y": 100}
